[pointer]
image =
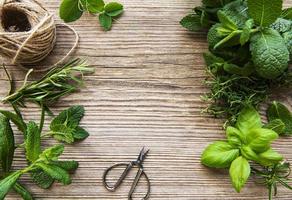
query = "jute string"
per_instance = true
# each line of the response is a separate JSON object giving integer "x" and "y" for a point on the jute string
{"x": 31, "y": 46}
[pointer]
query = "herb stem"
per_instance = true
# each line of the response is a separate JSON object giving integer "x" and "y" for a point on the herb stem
{"x": 42, "y": 117}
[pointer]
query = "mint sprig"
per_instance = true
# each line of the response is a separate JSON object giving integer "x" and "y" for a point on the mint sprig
{"x": 72, "y": 10}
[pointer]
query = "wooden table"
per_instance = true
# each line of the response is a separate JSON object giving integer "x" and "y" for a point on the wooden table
{"x": 146, "y": 91}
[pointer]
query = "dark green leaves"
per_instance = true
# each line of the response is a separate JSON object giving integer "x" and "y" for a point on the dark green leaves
{"x": 15, "y": 119}
{"x": 239, "y": 172}
{"x": 192, "y": 22}
{"x": 264, "y": 12}
{"x": 65, "y": 127}
{"x": 70, "y": 10}
{"x": 276, "y": 125}
{"x": 219, "y": 155}
{"x": 6, "y": 144}
{"x": 33, "y": 142}
{"x": 278, "y": 111}
{"x": 24, "y": 193}
{"x": 269, "y": 53}
{"x": 42, "y": 179}
{"x": 7, "y": 183}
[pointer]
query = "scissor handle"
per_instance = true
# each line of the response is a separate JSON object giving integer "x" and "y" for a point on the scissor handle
{"x": 120, "y": 180}
{"x": 135, "y": 183}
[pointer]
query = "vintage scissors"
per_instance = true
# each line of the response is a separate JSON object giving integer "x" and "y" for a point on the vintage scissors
{"x": 137, "y": 163}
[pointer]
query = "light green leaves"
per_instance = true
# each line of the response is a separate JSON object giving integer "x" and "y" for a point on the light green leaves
{"x": 65, "y": 127}
{"x": 248, "y": 119}
{"x": 6, "y": 144}
{"x": 269, "y": 158}
{"x": 278, "y": 111}
{"x": 219, "y": 155}
{"x": 24, "y": 193}
{"x": 70, "y": 10}
{"x": 264, "y": 12}
{"x": 51, "y": 154}
{"x": 33, "y": 142}
{"x": 234, "y": 136}
{"x": 239, "y": 172}
{"x": 7, "y": 183}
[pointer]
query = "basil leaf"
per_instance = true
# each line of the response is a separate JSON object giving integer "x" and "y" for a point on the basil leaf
{"x": 248, "y": 153}
{"x": 70, "y": 10}
{"x": 93, "y": 6}
{"x": 219, "y": 155}
{"x": 113, "y": 9}
{"x": 33, "y": 142}
{"x": 56, "y": 172}
{"x": 7, "y": 145}
{"x": 269, "y": 157}
{"x": 42, "y": 179}
{"x": 259, "y": 139}
{"x": 105, "y": 21}
{"x": 279, "y": 111}
{"x": 248, "y": 119}
{"x": 264, "y": 12}
{"x": 234, "y": 136}
{"x": 24, "y": 193}
{"x": 239, "y": 172}
{"x": 276, "y": 125}
{"x": 7, "y": 183}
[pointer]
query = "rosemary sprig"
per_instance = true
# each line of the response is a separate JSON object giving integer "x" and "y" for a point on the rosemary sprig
{"x": 58, "y": 82}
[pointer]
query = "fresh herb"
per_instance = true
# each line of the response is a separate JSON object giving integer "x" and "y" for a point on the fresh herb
{"x": 247, "y": 141}
{"x": 250, "y": 48}
{"x": 44, "y": 166}
{"x": 72, "y": 10}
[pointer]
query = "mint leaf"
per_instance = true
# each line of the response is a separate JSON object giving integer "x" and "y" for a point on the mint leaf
{"x": 105, "y": 21}
{"x": 264, "y": 12}
{"x": 51, "y": 154}
{"x": 246, "y": 32}
{"x": 24, "y": 193}
{"x": 93, "y": 6}
{"x": 62, "y": 133}
{"x": 276, "y": 125}
{"x": 113, "y": 9}
{"x": 7, "y": 145}
{"x": 226, "y": 21}
{"x": 192, "y": 22}
{"x": 69, "y": 117}
{"x": 41, "y": 178}
{"x": 219, "y": 155}
{"x": 279, "y": 111}
{"x": 70, "y": 10}
{"x": 7, "y": 183}
{"x": 287, "y": 13}
{"x": 69, "y": 166}
{"x": 269, "y": 53}
{"x": 15, "y": 119}
{"x": 239, "y": 172}
{"x": 33, "y": 142}
{"x": 56, "y": 173}
{"x": 80, "y": 133}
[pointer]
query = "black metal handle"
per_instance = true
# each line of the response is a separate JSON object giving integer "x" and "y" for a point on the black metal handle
{"x": 135, "y": 183}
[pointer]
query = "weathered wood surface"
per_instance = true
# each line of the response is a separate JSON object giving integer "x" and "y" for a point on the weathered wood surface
{"x": 145, "y": 92}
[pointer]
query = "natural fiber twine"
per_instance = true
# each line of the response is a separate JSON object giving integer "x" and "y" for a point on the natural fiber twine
{"x": 34, "y": 36}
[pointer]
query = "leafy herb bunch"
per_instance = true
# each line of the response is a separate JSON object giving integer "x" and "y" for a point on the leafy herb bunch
{"x": 249, "y": 51}
{"x": 43, "y": 164}
{"x": 249, "y": 142}
{"x": 72, "y": 10}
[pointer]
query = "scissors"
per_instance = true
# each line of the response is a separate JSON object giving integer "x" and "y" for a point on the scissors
{"x": 137, "y": 163}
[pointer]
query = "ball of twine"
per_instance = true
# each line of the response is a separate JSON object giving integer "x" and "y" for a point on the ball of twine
{"x": 28, "y": 32}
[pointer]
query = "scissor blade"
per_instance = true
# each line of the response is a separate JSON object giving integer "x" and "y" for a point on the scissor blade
{"x": 143, "y": 154}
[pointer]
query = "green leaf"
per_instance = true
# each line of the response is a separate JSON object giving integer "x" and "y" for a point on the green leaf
{"x": 93, "y": 6}
{"x": 24, "y": 193}
{"x": 80, "y": 133}
{"x": 69, "y": 117}
{"x": 239, "y": 172}
{"x": 246, "y": 70}
{"x": 234, "y": 136}
{"x": 70, "y": 10}
{"x": 69, "y": 166}
{"x": 282, "y": 25}
{"x": 219, "y": 155}
{"x": 105, "y": 21}
{"x": 259, "y": 139}
{"x": 15, "y": 119}
{"x": 248, "y": 119}
{"x": 7, "y": 145}
{"x": 226, "y": 21}
{"x": 113, "y": 9}
{"x": 246, "y": 32}
{"x": 287, "y": 13}
{"x": 7, "y": 183}
{"x": 269, "y": 53}
{"x": 62, "y": 133}
{"x": 52, "y": 153}
{"x": 192, "y": 22}
{"x": 56, "y": 172}
{"x": 279, "y": 111}
{"x": 33, "y": 142}
{"x": 248, "y": 153}
{"x": 269, "y": 157}
{"x": 276, "y": 125}
{"x": 42, "y": 179}
{"x": 264, "y": 12}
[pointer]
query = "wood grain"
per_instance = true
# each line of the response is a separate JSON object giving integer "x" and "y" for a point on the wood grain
{"x": 145, "y": 92}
